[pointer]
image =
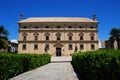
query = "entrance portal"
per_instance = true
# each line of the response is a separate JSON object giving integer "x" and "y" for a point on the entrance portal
{"x": 58, "y": 51}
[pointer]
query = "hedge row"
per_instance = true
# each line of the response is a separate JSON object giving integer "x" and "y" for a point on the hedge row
{"x": 14, "y": 64}
{"x": 97, "y": 65}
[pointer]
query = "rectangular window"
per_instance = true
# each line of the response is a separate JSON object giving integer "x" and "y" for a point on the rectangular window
{"x": 24, "y": 38}
{"x": 92, "y": 37}
{"x": 70, "y": 46}
{"x": 92, "y": 46}
{"x": 47, "y": 37}
{"x": 91, "y": 27}
{"x": 81, "y": 37}
{"x": 70, "y": 26}
{"x": 81, "y": 46}
{"x": 36, "y": 26}
{"x": 46, "y": 26}
{"x": 47, "y": 46}
{"x": 24, "y": 26}
{"x": 36, "y": 38}
{"x": 70, "y": 37}
{"x": 58, "y": 38}
{"x": 58, "y": 27}
{"x": 24, "y": 47}
{"x": 80, "y": 26}
{"x": 35, "y": 47}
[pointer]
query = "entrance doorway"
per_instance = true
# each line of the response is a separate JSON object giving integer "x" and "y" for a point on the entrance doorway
{"x": 58, "y": 51}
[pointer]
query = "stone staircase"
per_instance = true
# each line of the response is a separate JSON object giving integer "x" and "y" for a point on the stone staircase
{"x": 55, "y": 59}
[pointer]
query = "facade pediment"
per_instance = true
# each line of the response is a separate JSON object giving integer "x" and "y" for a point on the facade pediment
{"x": 58, "y": 45}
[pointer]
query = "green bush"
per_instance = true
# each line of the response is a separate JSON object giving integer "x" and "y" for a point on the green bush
{"x": 14, "y": 64}
{"x": 97, "y": 65}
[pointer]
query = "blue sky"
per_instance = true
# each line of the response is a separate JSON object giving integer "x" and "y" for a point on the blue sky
{"x": 107, "y": 11}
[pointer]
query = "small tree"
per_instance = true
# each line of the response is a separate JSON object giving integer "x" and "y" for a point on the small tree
{"x": 3, "y": 38}
{"x": 115, "y": 35}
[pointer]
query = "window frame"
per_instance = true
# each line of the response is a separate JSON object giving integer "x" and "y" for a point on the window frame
{"x": 69, "y": 26}
{"x": 92, "y": 38}
{"x": 24, "y": 27}
{"x": 24, "y": 47}
{"x": 58, "y": 27}
{"x": 47, "y": 38}
{"x": 81, "y": 46}
{"x": 80, "y": 27}
{"x": 91, "y": 27}
{"x": 70, "y": 46}
{"x": 24, "y": 37}
{"x": 92, "y": 47}
{"x": 36, "y": 38}
{"x": 70, "y": 38}
{"x": 35, "y": 46}
{"x": 81, "y": 38}
{"x": 47, "y": 27}
{"x": 58, "y": 38}
{"x": 47, "y": 46}
{"x": 36, "y": 27}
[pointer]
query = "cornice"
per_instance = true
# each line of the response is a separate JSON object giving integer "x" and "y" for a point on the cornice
{"x": 58, "y": 30}
{"x": 95, "y": 41}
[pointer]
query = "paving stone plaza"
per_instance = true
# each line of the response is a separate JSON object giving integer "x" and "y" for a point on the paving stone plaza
{"x": 60, "y": 68}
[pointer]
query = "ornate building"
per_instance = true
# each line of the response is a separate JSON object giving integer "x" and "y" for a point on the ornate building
{"x": 58, "y": 36}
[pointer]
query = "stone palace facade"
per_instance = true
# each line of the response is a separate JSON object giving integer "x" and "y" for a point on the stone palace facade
{"x": 58, "y": 36}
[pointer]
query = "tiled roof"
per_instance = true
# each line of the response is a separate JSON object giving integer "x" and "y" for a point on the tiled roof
{"x": 56, "y": 19}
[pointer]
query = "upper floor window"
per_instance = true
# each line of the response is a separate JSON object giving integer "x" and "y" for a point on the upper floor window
{"x": 69, "y": 26}
{"x": 58, "y": 27}
{"x": 81, "y": 36}
{"x": 36, "y": 38}
{"x": 70, "y": 37}
{"x": 80, "y": 26}
{"x": 46, "y": 26}
{"x": 47, "y": 37}
{"x": 91, "y": 27}
{"x": 36, "y": 26}
{"x": 70, "y": 46}
{"x": 92, "y": 46}
{"x": 92, "y": 36}
{"x": 24, "y": 26}
{"x": 24, "y": 36}
{"x": 58, "y": 38}
{"x": 24, "y": 47}
{"x": 35, "y": 46}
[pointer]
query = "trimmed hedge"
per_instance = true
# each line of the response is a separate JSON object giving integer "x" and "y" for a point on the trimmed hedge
{"x": 97, "y": 65}
{"x": 14, "y": 64}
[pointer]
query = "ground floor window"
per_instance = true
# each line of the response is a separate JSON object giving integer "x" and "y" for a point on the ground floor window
{"x": 35, "y": 46}
{"x": 92, "y": 46}
{"x": 70, "y": 46}
{"x": 46, "y": 47}
{"x": 24, "y": 47}
{"x": 81, "y": 46}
